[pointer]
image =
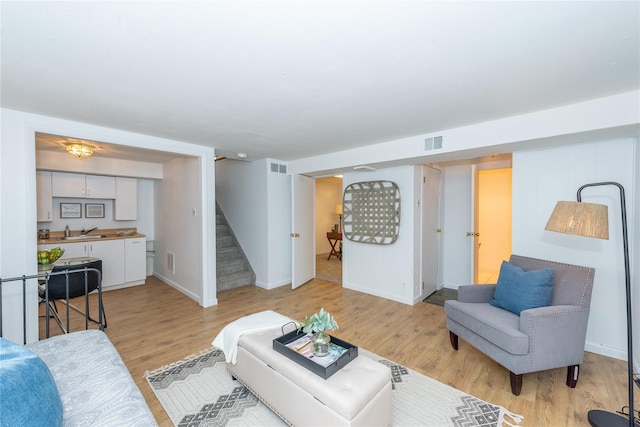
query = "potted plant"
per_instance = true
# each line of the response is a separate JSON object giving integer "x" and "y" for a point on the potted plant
{"x": 317, "y": 325}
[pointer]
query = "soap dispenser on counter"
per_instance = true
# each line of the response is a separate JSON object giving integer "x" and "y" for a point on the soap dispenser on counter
{"x": 67, "y": 232}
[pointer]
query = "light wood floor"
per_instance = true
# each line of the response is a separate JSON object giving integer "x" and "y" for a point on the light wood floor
{"x": 153, "y": 325}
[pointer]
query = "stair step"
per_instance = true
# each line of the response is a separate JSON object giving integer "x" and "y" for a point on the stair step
{"x": 228, "y": 252}
{"x": 234, "y": 280}
{"x": 230, "y": 266}
{"x": 224, "y": 241}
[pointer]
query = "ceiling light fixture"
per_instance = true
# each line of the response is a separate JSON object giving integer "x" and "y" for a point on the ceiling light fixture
{"x": 241, "y": 155}
{"x": 363, "y": 168}
{"x": 80, "y": 150}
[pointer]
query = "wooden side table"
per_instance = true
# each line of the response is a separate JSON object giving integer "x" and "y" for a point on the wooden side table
{"x": 333, "y": 239}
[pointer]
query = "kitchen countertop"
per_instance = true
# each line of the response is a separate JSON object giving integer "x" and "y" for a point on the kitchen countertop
{"x": 109, "y": 233}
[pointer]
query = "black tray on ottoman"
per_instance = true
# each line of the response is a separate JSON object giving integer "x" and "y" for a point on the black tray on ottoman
{"x": 281, "y": 346}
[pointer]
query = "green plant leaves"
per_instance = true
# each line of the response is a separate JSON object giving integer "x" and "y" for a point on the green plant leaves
{"x": 319, "y": 322}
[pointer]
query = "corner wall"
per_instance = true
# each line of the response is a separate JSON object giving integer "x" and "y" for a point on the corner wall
{"x": 386, "y": 271}
{"x": 543, "y": 177}
{"x": 178, "y": 229}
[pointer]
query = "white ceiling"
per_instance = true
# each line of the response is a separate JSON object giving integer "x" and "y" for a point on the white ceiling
{"x": 290, "y": 80}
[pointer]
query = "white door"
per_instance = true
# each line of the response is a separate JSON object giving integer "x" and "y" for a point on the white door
{"x": 430, "y": 230}
{"x": 303, "y": 260}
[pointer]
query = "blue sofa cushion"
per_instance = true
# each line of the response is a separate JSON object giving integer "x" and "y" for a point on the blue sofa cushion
{"x": 519, "y": 290}
{"x": 29, "y": 395}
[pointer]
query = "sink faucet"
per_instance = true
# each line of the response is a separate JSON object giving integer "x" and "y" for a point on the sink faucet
{"x": 84, "y": 233}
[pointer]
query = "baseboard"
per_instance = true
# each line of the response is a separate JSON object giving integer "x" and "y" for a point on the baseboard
{"x": 179, "y": 288}
{"x": 268, "y": 286}
{"x": 604, "y": 350}
{"x": 373, "y": 292}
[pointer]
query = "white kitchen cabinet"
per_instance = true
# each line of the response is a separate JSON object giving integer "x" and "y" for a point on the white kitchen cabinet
{"x": 111, "y": 252}
{"x": 44, "y": 196}
{"x": 135, "y": 259}
{"x": 125, "y": 206}
{"x": 71, "y": 250}
{"x": 83, "y": 186}
{"x": 101, "y": 187}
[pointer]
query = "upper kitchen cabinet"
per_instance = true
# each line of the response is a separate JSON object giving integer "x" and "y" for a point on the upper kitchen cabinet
{"x": 44, "y": 201}
{"x": 125, "y": 206}
{"x": 83, "y": 186}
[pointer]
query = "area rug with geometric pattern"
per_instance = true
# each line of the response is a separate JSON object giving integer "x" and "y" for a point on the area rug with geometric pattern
{"x": 199, "y": 391}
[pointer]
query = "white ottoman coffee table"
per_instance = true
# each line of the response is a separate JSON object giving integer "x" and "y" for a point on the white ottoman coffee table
{"x": 359, "y": 394}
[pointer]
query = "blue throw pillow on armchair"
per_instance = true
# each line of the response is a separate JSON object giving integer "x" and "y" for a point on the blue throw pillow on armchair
{"x": 519, "y": 290}
{"x": 28, "y": 394}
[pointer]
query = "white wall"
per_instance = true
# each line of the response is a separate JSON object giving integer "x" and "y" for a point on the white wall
{"x": 543, "y": 177}
{"x": 635, "y": 261}
{"x": 62, "y": 162}
{"x": 328, "y": 195}
{"x": 18, "y": 226}
{"x": 179, "y": 230}
{"x": 387, "y": 271}
{"x": 278, "y": 228}
{"x": 18, "y": 230}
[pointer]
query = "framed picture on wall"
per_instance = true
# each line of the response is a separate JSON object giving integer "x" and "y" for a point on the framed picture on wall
{"x": 70, "y": 210}
{"x": 94, "y": 210}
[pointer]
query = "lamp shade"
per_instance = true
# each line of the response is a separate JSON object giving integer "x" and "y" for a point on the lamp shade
{"x": 580, "y": 219}
{"x": 338, "y": 209}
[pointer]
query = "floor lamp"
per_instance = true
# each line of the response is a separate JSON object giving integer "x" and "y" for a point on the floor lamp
{"x": 338, "y": 211}
{"x": 591, "y": 220}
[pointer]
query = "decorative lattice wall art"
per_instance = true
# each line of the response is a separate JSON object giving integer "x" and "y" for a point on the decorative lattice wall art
{"x": 371, "y": 212}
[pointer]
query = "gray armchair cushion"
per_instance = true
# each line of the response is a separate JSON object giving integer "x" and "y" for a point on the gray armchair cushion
{"x": 501, "y": 327}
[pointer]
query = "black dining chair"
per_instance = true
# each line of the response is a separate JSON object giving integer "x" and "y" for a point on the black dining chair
{"x": 71, "y": 281}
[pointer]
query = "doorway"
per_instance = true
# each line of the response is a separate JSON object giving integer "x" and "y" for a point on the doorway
{"x": 492, "y": 239}
{"x": 328, "y": 203}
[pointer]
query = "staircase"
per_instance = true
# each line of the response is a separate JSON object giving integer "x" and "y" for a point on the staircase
{"x": 232, "y": 268}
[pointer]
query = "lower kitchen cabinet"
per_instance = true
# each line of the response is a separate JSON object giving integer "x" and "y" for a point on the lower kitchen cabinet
{"x": 111, "y": 252}
{"x": 123, "y": 260}
{"x": 135, "y": 253}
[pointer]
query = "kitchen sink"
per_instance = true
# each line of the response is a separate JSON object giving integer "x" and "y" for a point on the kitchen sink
{"x": 85, "y": 237}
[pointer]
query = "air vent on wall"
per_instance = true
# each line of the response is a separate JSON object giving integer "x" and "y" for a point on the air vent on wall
{"x": 278, "y": 168}
{"x": 171, "y": 264}
{"x": 433, "y": 143}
